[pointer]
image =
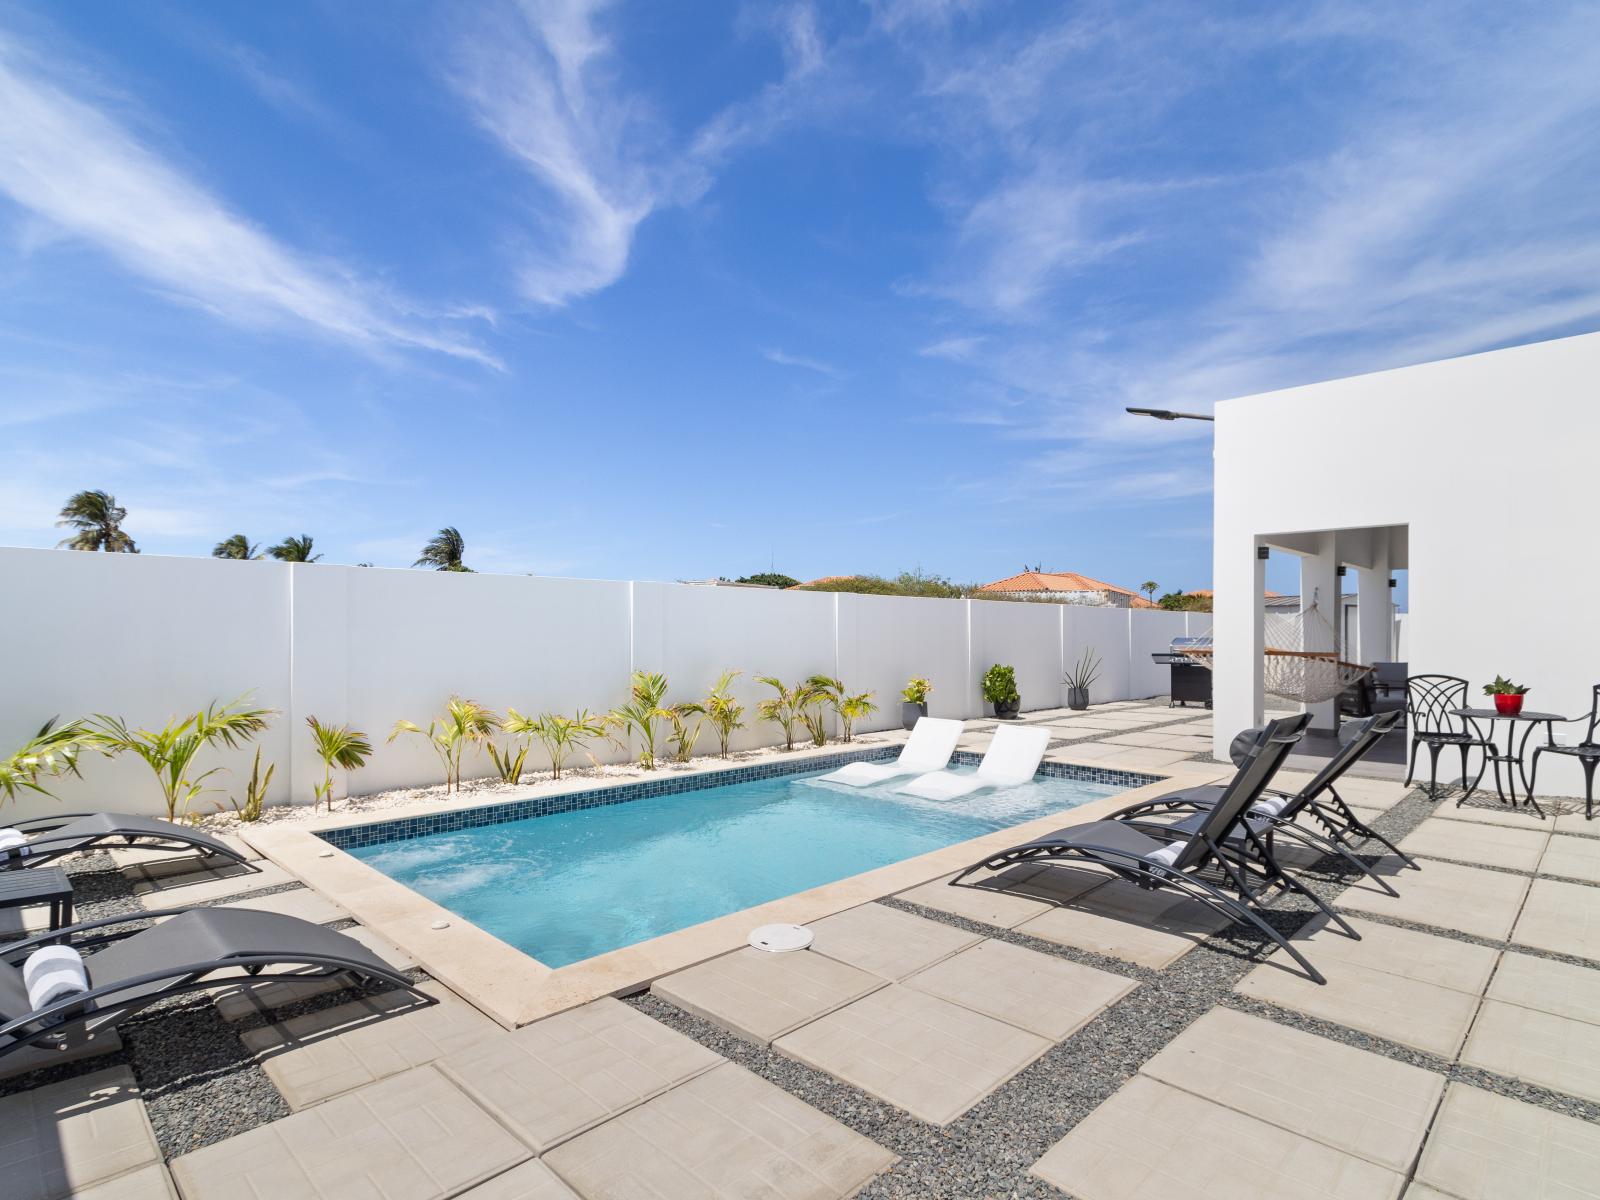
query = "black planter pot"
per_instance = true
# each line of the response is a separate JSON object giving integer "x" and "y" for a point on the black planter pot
{"x": 910, "y": 711}
{"x": 1007, "y": 710}
{"x": 1077, "y": 698}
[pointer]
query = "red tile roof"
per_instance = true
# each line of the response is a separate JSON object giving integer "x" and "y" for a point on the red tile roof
{"x": 1062, "y": 581}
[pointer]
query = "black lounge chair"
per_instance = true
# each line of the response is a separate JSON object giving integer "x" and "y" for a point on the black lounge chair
{"x": 53, "y": 837}
{"x": 1319, "y": 800}
{"x": 194, "y": 950}
{"x": 1157, "y": 856}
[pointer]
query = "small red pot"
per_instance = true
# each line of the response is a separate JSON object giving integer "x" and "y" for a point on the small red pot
{"x": 1507, "y": 705}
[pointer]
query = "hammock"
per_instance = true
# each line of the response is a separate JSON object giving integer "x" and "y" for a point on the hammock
{"x": 1288, "y": 669}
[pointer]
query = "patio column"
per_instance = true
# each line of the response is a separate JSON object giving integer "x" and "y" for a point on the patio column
{"x": 1374, "y": 622}
{"x": 1236, "y": 629}
{"x": 1319, "y": 585}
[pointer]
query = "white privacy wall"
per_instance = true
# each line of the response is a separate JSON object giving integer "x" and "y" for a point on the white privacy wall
{"x": 146, "y": 638}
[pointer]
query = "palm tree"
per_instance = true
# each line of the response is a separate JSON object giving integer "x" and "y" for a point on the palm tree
{"x": 97, "y": 519}
{"x": 444, "y": 550}
{"x": 1148, "y": 587}
{"x": 294, "y": 549}
{"x": 237, "y": 546}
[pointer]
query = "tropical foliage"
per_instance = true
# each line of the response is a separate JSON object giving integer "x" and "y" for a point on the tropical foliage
{"x": 724, "y": 712}
{"x": 1085, "y": 671}
{"x": 641, "y": 715}
{"x": 294, "y": 549}
{"x": 907, "y": 583}
{"x": 560, "y": 735}
{"x": 337, "y": 746}
{"x": 462, "y": 725}
{"x": 852, "y": 709}
{"x": 785, "y": 710}
{"x": 509, "y": 759}
{"x": 238, "y": 546}
{"x": 444, "y": 550}
{"x": 823, "y": 693}
{"x": 255, "y": 791}
{"x": 1504, "y": 687}
{"x": 916, "y": 690}
{"x": 687, "y": 718}
{"x": 170, "y": 751}
{"x": 1000, "y": 685}
{"x": 96, "y": 521}
{"x": 770, "y": 579}
{"x": 48, "y": 754}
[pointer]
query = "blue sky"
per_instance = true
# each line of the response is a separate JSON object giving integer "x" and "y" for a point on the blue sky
{"x": 678, "y": 290}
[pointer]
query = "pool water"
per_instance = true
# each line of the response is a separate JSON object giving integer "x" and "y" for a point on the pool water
{"x": 572, "y": 885}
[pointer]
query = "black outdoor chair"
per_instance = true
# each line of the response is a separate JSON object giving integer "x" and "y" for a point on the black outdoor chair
{"x": 60, "y": 834}
{"x": 1156, "y": 856}
{"x": 191, "y": 950}
{"x": 1360, "y": 698}
{"x": 1430, "y": 701}
{"x": 1587, "y": 752}
{"x": 1389, "y": 686}
{"x": 1338, "y": 827}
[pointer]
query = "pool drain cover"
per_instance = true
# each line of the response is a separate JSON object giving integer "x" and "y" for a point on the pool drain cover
{"x": 780, "y": 939}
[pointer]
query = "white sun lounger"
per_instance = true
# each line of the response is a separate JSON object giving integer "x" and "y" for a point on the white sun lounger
{"x": 1012, "y": 758}
{"x": 928, "y": 748}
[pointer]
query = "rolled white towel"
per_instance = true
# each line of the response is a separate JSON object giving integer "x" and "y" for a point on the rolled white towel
{"x": 53, "y": 973}
{"x": 1270, "y": 807}
{"x": 1167, "y": 855}
{"x": 14, "y": 843}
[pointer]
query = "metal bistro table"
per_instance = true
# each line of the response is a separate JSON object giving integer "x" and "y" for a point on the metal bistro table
{"x": 1513, "y": 757}
{"x": 26, "y": 886}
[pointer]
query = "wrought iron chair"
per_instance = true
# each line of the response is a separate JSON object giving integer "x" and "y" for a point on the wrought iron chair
{"x": 1587, "y": 752}
{"x": 1430, "y": 704}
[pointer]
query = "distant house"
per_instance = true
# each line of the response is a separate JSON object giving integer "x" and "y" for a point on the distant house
{"x": 1068, "y": 587}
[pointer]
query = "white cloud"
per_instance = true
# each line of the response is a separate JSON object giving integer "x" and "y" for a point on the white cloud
{"x": 954, "y": 349}
{"x": 809, "y": 364}
{"x": 537, "y": 76}
{"x": 76, "y": 167}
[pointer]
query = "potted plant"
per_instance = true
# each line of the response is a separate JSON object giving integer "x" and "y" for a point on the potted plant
{"x": 1507, "y": 696}
{"x": 1078, "y": 680}
{"x": 1000, "y": 690}
{"x": 914, "y": 701}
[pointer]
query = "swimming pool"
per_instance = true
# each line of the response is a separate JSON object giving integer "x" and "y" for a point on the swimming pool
{"x": 569, "y": 885}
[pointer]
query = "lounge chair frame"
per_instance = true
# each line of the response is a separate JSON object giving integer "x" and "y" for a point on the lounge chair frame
{"x": 90, "y": 1011}
{"x": 1338, "y": 821}
{"x": 138, "y": 832}
{"x": 1202, "y": 847}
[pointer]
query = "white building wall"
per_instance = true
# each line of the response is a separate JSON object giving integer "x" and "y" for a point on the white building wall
{"x": 146, "y": 637}
{"x": 1489, "y": 462}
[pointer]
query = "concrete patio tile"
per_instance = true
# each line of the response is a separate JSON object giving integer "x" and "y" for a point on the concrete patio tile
{"x": 761, "y": 996}
{"x": 1574, "y": 857}
{"x": 557, "y": 1078}
{"x": 32, "y": 1058}
{"x": 1561, "y": 917}
{"x": 531, "y": 1181}
{"x": 1537, "y": 1047}
{"x": 1153, "y": 929}
{"x": 1129, "y": 757}
{"x": 1490, "y": 1147}
{"x": 1363, "y": 1104}
{"x": 1491, "y": 813}
{"x": 145, "y": 1183}
{"x": 1468, "y": 841}
{"x": 412, "y": 1137}
{"x": 1574, "y": 821}
{"x": 989, "y": 902}
{"x": 920, "y": 1053}
{"x": 64, "y": 1137}
{"x": 886, "y": 941}
{"x": 1469, "y": 899}
{"x": 727, "y": 1134}
{"x": 1202, "y": 1151}
{"x": 250, "y": 999}
{"x": 1149, "y": 739}
{"x": 321, "y": 1054}
{"x": 1394, "y": 987}
{"x": 301, "y": 902}
{"x": 1548, "y": 986}
{"x": 170, "y": 889}
{"x": 1037, "y": 992}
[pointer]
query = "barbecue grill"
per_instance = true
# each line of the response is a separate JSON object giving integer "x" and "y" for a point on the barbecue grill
{"x": 1190, "y": 681}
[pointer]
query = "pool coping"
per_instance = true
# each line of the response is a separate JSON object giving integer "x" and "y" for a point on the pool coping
{"x": 515, "y": 989}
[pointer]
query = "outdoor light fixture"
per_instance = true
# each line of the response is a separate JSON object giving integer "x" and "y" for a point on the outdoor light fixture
{"x": 1166, "y": 414}
{"x": 1263, "y": 553}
